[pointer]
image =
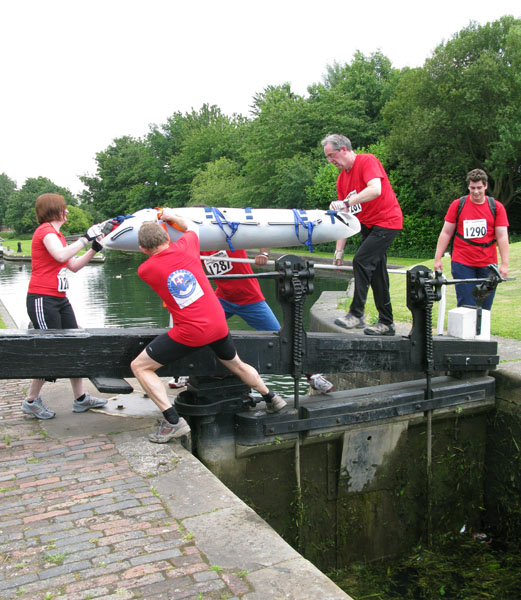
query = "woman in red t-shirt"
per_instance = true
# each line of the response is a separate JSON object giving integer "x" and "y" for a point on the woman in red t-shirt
{"x": 47, "y": 303}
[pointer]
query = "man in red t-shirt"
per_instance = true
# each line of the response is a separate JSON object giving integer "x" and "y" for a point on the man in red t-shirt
{"x": 364, "y": 189}
{"x": 478, "y": 236}
{"x": 175, "y": 273}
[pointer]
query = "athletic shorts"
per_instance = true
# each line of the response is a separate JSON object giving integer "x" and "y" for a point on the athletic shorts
{"x": 164, "y": 350}
{"x": 50, "y": 312}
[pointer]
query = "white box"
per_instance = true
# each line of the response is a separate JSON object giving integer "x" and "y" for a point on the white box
{"x": 462, "y": 323}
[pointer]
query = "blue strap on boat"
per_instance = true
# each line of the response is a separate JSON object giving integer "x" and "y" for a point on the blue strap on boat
{"x": 122, "y": 218}
{"x": 221, "y": 220}
{"x": 208, "y": 213}
{"x": 249, "y": 214}
{"x": 301, "y": 218}
{"x": 331, "y": 214}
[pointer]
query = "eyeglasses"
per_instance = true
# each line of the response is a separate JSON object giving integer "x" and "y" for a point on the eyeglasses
{"x": 330, "y": 155}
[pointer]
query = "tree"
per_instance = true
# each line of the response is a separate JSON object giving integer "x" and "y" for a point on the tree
{"x": 351, "y": 97}
{"x": 281, "y": 130}
{"x": 78, "y": 221}
{"x": 7, "y": 187}
{"x": 20, "y": 206}
{"x": 458, "y": 112}
{"x": 126, "y": 179}
{"x": 218, "y": 183}
{"x": 194, "y": 140}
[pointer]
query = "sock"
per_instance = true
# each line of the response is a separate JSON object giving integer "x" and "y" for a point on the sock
{"x": 81, "y": 398}
{"x": 268, "y": 397}
{"x": 171, "y": 415}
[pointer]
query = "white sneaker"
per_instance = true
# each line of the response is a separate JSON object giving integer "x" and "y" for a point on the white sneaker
{"x": 167, "y": 431}
{"x": 180, "y": 383}
{"x": 319, "y": 383}
{"x": 276, "y": 404}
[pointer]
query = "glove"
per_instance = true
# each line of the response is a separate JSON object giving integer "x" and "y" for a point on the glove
{"x": 339, "y": 205}
{"x": 93, "y": 232}
{"x": 96, "y": 246}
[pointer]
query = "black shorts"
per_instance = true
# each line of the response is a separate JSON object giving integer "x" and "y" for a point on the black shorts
{"x": 50, "y": 312}
{"x": 164, "y": 350}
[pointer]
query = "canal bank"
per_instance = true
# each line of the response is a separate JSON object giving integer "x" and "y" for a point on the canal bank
{"x": 91, "y": 509}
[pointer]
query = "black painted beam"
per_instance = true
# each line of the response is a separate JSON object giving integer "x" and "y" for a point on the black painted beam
{"x": 25, "y": 354}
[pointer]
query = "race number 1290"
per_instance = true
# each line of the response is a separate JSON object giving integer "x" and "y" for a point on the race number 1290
{"x": 475, "y": 228}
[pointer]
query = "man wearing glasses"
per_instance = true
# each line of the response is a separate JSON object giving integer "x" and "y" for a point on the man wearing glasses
{"x": 364, "y": 189}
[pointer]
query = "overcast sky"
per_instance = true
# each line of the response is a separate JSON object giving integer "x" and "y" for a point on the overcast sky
{"x": 77, "y": 74}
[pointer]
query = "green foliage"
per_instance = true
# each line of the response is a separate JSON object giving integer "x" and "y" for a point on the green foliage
{"x": 217, "y": 184}
{"x": 323, "y": 189}
{"x": 281, "y": 130}
{"x": 352, "y": 96}
{"x": 126, "y": 180}
{"x": 78, "y": 221}
{"x": 459, "y": 112}
{"x": 190, "y": 142}
{"x": 7, "y": 187}
{"x": 456, "y": 567}
{"x": 20, "y": 206}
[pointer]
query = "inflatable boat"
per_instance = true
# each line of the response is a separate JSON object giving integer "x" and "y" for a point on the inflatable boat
{"x": 239, "y": 228}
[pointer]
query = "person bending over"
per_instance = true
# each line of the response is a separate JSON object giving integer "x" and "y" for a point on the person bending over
{"x": 175, "y": 273}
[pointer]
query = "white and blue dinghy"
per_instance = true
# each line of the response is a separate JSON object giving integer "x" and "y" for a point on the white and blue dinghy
{"x": 239, "y": 228}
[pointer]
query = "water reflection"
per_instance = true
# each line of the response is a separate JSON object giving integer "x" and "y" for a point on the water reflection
{"x": 110, "y": 294}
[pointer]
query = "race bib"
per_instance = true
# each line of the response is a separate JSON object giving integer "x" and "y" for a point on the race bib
{"x": 218, "y": 267}
{"x": 184, "y": 287}
{"x": 63, "y": 283}
{"x": 475, "y": 228}
{"x": 355, "y": 208}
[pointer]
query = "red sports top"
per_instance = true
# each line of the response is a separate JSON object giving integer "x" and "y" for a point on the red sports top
{"x": 176, "y": 274}
{"x": 238, "y": 291}
{"x": 474, "y": 221}
{"x": 383, "y": 210}
{"x": 48, "y": 275}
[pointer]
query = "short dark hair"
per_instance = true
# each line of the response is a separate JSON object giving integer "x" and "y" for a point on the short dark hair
{"x": 151, "y": 235}
{"x": 337, "y": 141}
{"x": 49, "y": 207}
{"x": 477, "y": 175}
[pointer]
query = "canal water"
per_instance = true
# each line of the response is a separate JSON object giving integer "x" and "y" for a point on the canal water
{"x": 110, "y": 294}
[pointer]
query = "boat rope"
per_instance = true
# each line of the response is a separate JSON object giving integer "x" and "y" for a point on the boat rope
{"x": 301, "y": 219}
{"x": 221, "y": 221}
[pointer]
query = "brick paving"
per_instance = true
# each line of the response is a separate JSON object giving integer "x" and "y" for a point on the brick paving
{"x": 78, "y": 523}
